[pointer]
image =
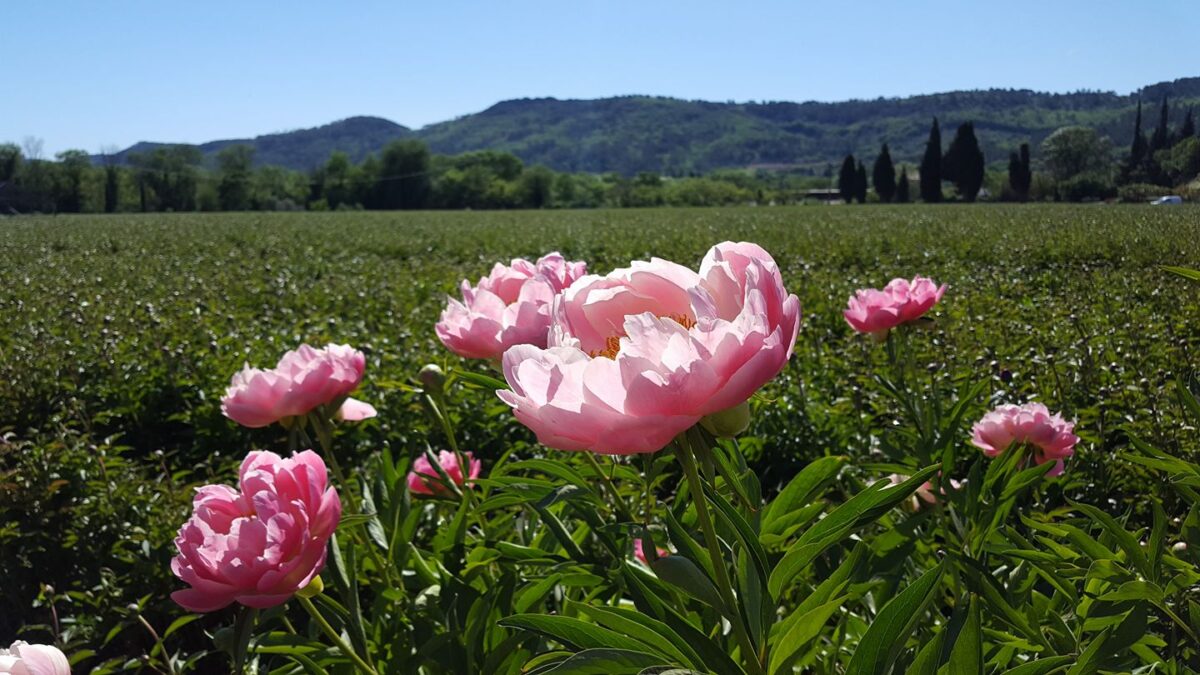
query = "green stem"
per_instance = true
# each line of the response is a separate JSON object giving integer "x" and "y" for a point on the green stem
{"x": 724, "y": 585}
{"x": 335, "y": 636}
{"x": 618, "y": 502}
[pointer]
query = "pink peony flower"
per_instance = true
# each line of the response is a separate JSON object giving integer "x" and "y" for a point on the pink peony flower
{"x": 639, "y": 552}
{"x": 900, "y": 302}
{"x": 924, "y": 493}
{"x": 1051, "y": 436}
{"x": 642, "y": 354}
{"x": 23, "y": 658}
{"x": 424, "y": 479}
{"x": 510, "y": 306}
{"x": 304, "y": 380}
{"x": 261, "y": 544}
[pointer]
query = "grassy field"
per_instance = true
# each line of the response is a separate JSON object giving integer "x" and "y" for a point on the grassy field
{"x": 118, "y": 335}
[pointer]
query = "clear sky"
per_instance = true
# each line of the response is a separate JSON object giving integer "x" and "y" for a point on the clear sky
{"x": 90, "y": 74}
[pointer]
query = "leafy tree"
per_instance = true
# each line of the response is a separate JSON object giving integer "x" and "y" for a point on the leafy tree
{"x": 1181, "y": 163}
{"x": 1189, "y": 126}
{"x": 10, "y": 161}
{"x": 847, "y": 179}
{"x": 537, "y": 187}
{"x": 931, "y": 166}
{"x": 404, "y": 179}
{"x": 1020, "y": 175}
{"x": 171, "y": 173}
{"x": 963, "y": 163}
{"x": 74, "y": 166}
{"x": 1071, "y": 151}
{"x": 233, "y": 170}
{"x": 860, "y": 184}
{"x": 902, "y": 196}
{"x": 883, "y": 175}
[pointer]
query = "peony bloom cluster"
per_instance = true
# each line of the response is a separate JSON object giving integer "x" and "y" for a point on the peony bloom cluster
{"x": 23, "y": 658}
{"x": 304, "y": 380}
{"x": 644, "y": 353}
{"x": 425, "y": 480}
{"x": 508, "y": 307}
{"x": 1051, "y": 437}
{"x": 260, "y": 544}
{"x": 900, "y": 302}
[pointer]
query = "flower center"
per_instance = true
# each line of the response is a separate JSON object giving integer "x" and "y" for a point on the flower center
{"x": 612, "y": 344}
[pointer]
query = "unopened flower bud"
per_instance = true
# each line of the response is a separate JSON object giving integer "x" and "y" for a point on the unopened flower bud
{"x": 313, "y": 588}
{"x": 729, "y": 422}
{"x": 432, "y": 378}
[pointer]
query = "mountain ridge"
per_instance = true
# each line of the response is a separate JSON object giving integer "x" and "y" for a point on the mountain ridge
{"x": 633, "y": 133}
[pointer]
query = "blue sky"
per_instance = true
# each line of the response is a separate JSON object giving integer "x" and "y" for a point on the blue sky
{"x": 89, "y": 74}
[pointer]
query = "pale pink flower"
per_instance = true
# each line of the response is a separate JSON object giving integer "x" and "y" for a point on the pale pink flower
{"x": 1052, "y": 437}
{"x": 508, "y": 307}
{"x": 22, "y": 658}
{"x": 924, "y": 493}
{"x": 642, "y": 354}
{"x": 304, "y": 380}
{"x": 260, "y": 544}
{"x": 425, "y": 480}
{"x": 900, "y": 302}
{"x": 639, "y": 552}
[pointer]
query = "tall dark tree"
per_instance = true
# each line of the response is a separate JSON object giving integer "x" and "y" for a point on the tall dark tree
{"x": 112, "y": 188}
{"x": 1020, "y": 177}
{"x": 883, "y": 175}
{"x": 1189, "y": 126}
{"x": 1133, "y": 168}
{"x": 847, "y": 179}
{"x": 1161, "y": 138}
{"x": 860, "y": 184}
{"x": 931, "y": 166}
{"x": 234, "y": 164}
{"x": 963, "y": 163}
{"x": 902, "y": 186}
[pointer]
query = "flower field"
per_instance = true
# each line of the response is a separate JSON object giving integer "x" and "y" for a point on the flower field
{"x": 959, "y": 439}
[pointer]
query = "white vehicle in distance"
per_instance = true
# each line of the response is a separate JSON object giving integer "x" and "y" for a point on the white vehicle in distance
{"x": 1169, "y": 199}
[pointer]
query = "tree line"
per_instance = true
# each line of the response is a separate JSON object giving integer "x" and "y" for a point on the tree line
{"x": 1075, "y": 164}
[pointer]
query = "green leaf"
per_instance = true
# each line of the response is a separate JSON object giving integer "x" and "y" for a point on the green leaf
{"x": 885, "y": 638}
{"x": 1041, "y": 666}
{"x": 1185, "y": 272}
{"x": 572, "y": 632}
{"x": 685, "y": 575}
{"x": 654, "y": 634}
{"x": 1089, "y": 660}
{"x": 479, "y": 379}
{"x": 1135, "y": 590}
{"x": 603, "y": 660}
{"x": 802, "y": 631}
{"x": 1124, "y": 539}
{"x": 967, "y": 655}
{"x": 929, "y": 657}
{"x": 861, "y": 510}
{"x": 801, "y": 491}
{"x": 1024, "y": 479}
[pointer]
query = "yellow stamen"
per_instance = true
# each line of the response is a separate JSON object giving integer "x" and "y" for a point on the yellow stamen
{"x": 612, "y": 344}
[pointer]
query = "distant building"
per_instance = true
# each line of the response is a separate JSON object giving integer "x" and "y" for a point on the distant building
{"x": 824, "y": 194}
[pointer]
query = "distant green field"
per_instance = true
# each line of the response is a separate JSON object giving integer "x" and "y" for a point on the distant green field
{"x": 119, "y": 333}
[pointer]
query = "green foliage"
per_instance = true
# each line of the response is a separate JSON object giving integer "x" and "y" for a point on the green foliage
{"x": 931, "y": 166}
{"x": 883, "y": 175}
{"x": 964, "y": 164}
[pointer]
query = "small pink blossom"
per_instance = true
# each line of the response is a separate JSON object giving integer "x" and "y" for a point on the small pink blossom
{"x": 924, "y": 493}
{"x": 641, "y": 354}
{"x": 508, "y": 307}
{"x": 22, "y": 658}
{"x": 1051, "y": 436}
{"x": 425, "y": 480}
{"x": 639, "y": 551}
{"x": 900, "y": 302}
{"x": 259, "y": 544}
{"x": 303, "y": 380}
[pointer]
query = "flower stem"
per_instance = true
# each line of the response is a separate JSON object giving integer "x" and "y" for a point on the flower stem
{"x": 333, "y": 635}
{"x": 618, "y": 502}
{"x": 724, "y": 585}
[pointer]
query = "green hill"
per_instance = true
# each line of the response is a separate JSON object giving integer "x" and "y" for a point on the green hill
{"x": 629, "y": 134}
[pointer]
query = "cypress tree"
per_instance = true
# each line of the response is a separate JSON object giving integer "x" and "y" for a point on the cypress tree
{"x": 931, "y": 166}
{"x": 112, "y": 188}
{"x": 902, "y": 186}
{"x": 1189, "y": 126}
{"x": 1026, "y": 171}
{"x": 847, "y": 179}
{"x": 1014, "y": 175}
{"x": 860, "y": 184}
{"x": 1161, "y": 138}
{"x": 1137, "y": 150}
{"x": 883, "y": 174}
{"x": 964, "y": 162}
